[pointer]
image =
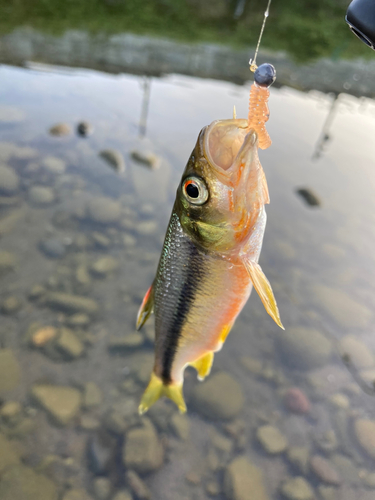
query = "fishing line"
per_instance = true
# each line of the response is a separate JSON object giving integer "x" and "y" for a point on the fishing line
{"x": 252, "y": 62}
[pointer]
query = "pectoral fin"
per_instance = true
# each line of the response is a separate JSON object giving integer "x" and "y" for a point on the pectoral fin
{"x": 146, "y": 308}
{"x": 264, "y": 290}
{"x": 203, "y": 365}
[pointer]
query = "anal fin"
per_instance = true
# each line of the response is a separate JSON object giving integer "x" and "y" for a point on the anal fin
{"x": 146, "y": 308}
{"x": 264, "y": 290}
{"x": 156, "y": 389}
{"x": 203, "y": 365}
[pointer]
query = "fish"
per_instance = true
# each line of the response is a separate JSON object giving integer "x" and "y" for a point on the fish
{"x": 209, "y": 261}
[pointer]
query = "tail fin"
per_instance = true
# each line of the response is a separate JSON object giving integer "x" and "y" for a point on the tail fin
{"x": 156, "y": 389}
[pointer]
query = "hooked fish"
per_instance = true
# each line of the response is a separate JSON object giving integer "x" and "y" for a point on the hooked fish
{"x": 209, "y": 261}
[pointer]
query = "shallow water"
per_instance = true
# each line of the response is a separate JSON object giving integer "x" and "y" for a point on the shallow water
{"x": 319, "y": 260}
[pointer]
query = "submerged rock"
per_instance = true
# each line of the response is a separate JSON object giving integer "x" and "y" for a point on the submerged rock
{"x": 271, "y": 439}
{"x": 9, "y": 180}
{"x": 365, "y": 433}
{"x": 84, "y": 129}
{"x": 22, "y": 483}
{"x": 11, "y": 305}
{"x": 137, "y": 486}
{"x": 325, "y": 470}
{"x": 114, "y": 159}
{"x": 143, "y": 450}
{"x": 7, "y": 262}
{"x": 104, "y": 210}
{"x": 10, "y": 372}
{"x": 180, "y": 425}
{"x": 53, "y": 247}
{"x": 104, "y": 266}
{"x": 356, "y": 352}
{"x": 41, "y": 195}
{"x": 343, "y": 309}
{"x": 304, "y": 348}
{"x": 54, "y": 165}
{"x": 220, "y": 397}
{"x": 69, "y": 344}
{"x": 101, "y": 450}
{"x": 244, "y": 481}
{"x": 8, "y": 454}
{"x": 60, "y": 129}
{"x": 102, "y": 488}
{"x": 297, "y": 488}
{"x": 61, "y": 403}
{"x": 126, "y": 342}
{"x": 92, "y": 395}
{"x": 123, "y": 495}
{"x": 146, "y": 158}
{"x": 296, "y": 401}
{"x": 71, "y": 303}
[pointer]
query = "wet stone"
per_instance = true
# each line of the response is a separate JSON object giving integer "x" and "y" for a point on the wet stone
{"x": 244, "y": 481}
{"x": 328, "y": 492}
{"x": 137, "y": 486}
{"x": 253, "y": 365}
{"x": 11, "y": 305}
{"x": 92, "y": 395}
{"x": 60, "y": 130}
{"x": 298, "y": 456}
{"x": 104, "y": 210}
{"x": 325, "y": 470}
{"x": 9, "y": 181}
{"x": 7, "y": 262}
{"x": 71, "y": 303}
{"x": 22, "y": 483}
{"x": 100, "y": 240}
{"x": 343, "y": 309}
{"x": 8, "y": 454}
{"x": 123, "y": 495}
{"x": 346, "y": 469}
{"x": 41, "y": 336}
{"x": 69, "y": 344}
{"x": 146, "y": 158}
{"x": 143, "y": 450}
{"x": 126, "y": 342}
{"x": 213, "y": 488}
{"x": 297, "y": 488}
{"x": 78, "y": 320}
{"x": 114, "y": 159}
{"x": 356, "y": 352}
{"x": 10, "y": 411}
{"x": 54, "y": 165}
{"x": 296, "y": 401}
{"x": 146, "y": 228}
{"x": 271, "y": 439}
{"x": 41, "y": 195}
{"x": 180, "y": 425}
{"x": 104, "y": 266}
{"x": 220, "y": 397}
{"x": 76, "y": 494}
{"x": 340, "y": 401}
{"x": 100, "y": 453}
{"x": 89, "y": 423}
{"x": 10, "y": 372}
{"x": 84, "y": 129}
{"x": 36, "y": 292}
{"x": 365, "y": 433}
{"x": 304, "y": 348}
{"x": 61, "y": 403}
{"x": 53, "y": 247}
{"x": 369, "y": 480}
{"x": 102, "y": 488}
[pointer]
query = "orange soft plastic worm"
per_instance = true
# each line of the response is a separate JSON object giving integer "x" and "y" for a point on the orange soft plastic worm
{"x": 259, "y": 114}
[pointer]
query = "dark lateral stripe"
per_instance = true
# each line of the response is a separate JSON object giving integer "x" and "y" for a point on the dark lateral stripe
{"x": 184, "y": 303}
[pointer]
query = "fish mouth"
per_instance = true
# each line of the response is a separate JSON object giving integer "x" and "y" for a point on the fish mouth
{"x": 226, "y": 142}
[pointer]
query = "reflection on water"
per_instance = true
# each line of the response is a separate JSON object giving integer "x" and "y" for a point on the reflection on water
{"x": 82, "y": 220}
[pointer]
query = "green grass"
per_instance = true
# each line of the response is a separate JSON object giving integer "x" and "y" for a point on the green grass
{"x": 306, "y": 29}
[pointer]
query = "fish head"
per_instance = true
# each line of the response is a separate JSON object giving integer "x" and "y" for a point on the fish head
{"x": 223, "y": 188}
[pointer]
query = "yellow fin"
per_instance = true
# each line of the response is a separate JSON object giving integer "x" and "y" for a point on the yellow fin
{"x": 264, "y": 290}
{"x": 203, "y": 365}
{"x": 146, "y": 308}
{"x": 156, "y": 389}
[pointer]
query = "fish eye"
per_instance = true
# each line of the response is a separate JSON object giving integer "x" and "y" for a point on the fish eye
{"x": 195, "y": 190}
